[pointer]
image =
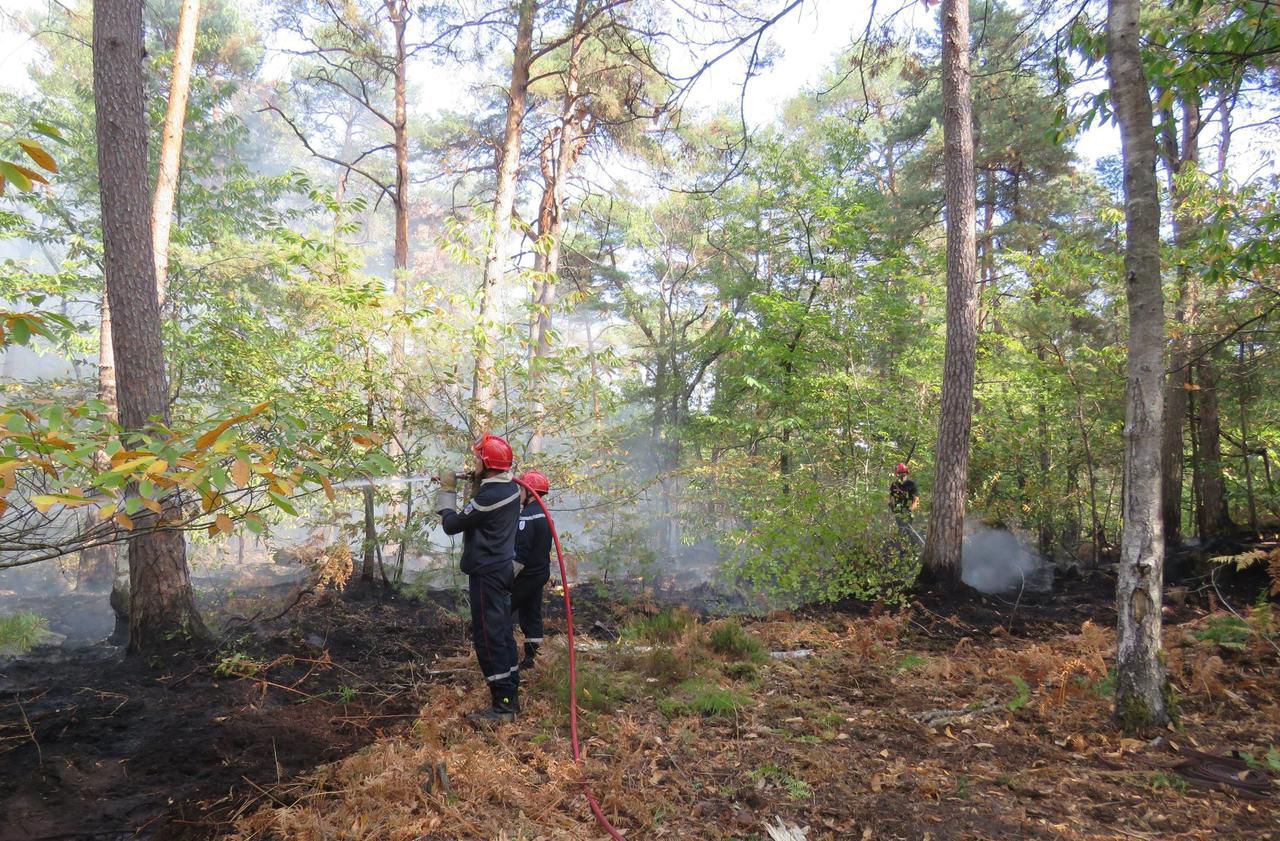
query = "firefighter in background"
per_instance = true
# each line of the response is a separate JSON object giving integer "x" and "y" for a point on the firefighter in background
{"x": 533, "y": 564}
{"x": 904, "y": 499}
{"x": 488, "y": 524}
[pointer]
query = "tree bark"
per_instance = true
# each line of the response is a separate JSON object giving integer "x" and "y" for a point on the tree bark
{"x": 171, "y": 140}
{"x": 1244, "y": 439}
{"x": 557, "y": 159}
{"x": 946, "y": 519}
{"x": 1141, "y": 682}
{"x": 162, "y": 610}
{"x": 1213, "y": 491}
{"x": 1172, "y": 458}
{"x": 97, "y": 567}
{"x": 508, "y": 167}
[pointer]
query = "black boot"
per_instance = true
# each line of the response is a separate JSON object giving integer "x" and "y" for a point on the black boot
{"x": 530, "y": 652}
{"x": 505, "y": 705}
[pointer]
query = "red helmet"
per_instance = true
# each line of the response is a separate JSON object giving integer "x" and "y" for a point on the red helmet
{"x": 494, "y": 453}
{"x": 901, "y": 470}
{"x": 536, "y": 482}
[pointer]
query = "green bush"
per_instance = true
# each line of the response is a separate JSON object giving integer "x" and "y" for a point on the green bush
{"x": 19, "y": 632}
{"x": 822, "y": 543}
{"x": 666, "y": 626}
{"x": 698, "y": 696}
{"x": 728, "y": 639}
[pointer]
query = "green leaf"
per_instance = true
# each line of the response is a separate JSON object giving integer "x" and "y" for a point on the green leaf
{"x": 283, "y": 503}
{"x": 48, "y": 130}
{"x": 20, "y": 330}
{"x": 15, "y": 174}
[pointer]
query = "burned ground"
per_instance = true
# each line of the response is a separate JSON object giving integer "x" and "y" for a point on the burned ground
{"x": 977, "y": 718}
{"x": 97, "y": 746}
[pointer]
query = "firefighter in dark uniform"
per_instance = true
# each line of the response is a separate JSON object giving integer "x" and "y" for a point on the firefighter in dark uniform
{"x": 533, "y": 564}
{"x": 488, "y": 526}
{"x": 904, "y": 499}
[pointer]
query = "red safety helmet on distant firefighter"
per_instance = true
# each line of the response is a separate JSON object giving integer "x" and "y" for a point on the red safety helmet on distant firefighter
{"x": 493, "y": 452}
{"x": 901, "y": 470}
{"x": 536, "y": 482}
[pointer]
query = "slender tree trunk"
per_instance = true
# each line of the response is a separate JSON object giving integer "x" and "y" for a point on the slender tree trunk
{"x": 1193, "y": 424}
{"x": 171, "y": 140}
{"x": 946, "y": 519}
{"x": 1172, "y": 458}
{"x": 97, "y": 567}
{"x": 555, "y": 174}
{"x": 1244, "y": 439}
{"x": 161, "y": 609}
{"x": 1213, "y": 491}
{"x": 370, "y": 561}
{"x": 503, "y": 205}
{"x": 1141, "y": 683}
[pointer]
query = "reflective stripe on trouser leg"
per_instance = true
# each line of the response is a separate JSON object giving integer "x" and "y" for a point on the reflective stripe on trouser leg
{"x": 491, "y": 632}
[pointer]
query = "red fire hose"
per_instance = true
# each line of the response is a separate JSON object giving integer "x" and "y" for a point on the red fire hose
{"x": 573, "y": 672}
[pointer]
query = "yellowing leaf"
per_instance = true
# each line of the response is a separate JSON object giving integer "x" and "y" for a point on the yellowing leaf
{"x": 328, "y": 488}
{"x": 37, "y": 153}
{"x": 207, "y": 440}
{"x": 124, "y": 520}
{"x": 241, "y": 472}
{"x": 105, "y": 511}
{"x": 157, "y": 466}
{"x": 44, "y": 502}
{"x": 224, "y": 524}
{"x": 151, "y": 505}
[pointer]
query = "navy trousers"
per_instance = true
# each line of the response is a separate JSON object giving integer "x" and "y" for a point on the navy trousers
{"x": 491, "y": 632}
{"x": 526, "y": 603}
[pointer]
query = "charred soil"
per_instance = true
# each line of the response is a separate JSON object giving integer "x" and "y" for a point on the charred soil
{"x": 94, "y": 745}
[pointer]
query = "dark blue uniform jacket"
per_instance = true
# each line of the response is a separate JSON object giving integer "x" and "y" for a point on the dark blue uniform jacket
{"x": 488, "y": 525}
{"x": 533, "y": 542}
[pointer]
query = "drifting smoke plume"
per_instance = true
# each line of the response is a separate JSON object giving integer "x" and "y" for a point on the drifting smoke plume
{"x": 996, "y": 560}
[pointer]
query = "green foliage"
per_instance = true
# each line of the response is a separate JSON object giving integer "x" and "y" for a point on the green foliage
{"x": 1227, "y": 632}
{"x": 1172, "y": 782}
{"x": 819, "y": 543}
{"x": 770, "y": 772}
{"x": 700, "y": 696}
{"x": 728, "y": 639}
{"x": 1023, "y": 695}
{"x": 238, "y": 664}
{"x": 1269, "y": 762}
{"x": 666, "y": 626}
{"x": 909, "y": 662}
{"x": 19, "y": 632}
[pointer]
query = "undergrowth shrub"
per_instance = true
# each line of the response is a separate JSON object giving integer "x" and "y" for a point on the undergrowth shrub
{"x": 823, "y": 542}
{"x": 699, "y": 696}
{"x": 19, "y": 632}
{"x": 665, "y": 626}
{"x": 729, "y": 639}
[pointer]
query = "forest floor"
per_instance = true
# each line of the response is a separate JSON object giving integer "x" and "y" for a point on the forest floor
{"x": 973, "y": 719}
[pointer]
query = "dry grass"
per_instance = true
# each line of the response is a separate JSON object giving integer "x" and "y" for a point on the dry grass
{"x": 829, "y": 741}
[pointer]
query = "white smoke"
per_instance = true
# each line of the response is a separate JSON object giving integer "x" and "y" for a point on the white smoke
{"x": 997, "y": 560}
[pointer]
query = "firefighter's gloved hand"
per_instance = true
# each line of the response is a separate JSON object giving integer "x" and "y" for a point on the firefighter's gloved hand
{"x": 516, "y": 567}
{"x": 449, "y": 481}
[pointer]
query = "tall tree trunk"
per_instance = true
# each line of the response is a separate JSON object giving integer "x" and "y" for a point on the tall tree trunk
{"x": 1213, "y": 490}
{"x": 1141, "y": 683}
{"x": 572, "y": 136}
{"x": 1244, "y": 438}
{"x": 161, "y": 608}
{"x": 946, "y": 519}
{"x": 171, "y": 140}
{"x": 97, "y": 567}
{"x": 1172, "y": 458}
{"x": 503, "y": 204}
